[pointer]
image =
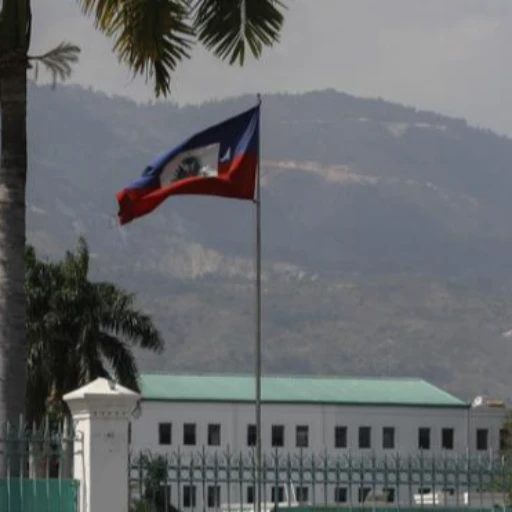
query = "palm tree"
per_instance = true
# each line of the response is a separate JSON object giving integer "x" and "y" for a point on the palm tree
{"x": 77, "y": 331}
{"x": 151, "y": 37}
{"x": 155, "y": 497}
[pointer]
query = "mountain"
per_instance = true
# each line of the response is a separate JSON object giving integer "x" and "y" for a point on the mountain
{"x": 386, "y": 234}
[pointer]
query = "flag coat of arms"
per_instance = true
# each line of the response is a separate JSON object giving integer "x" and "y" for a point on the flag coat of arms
{"x": 219, "y": 161}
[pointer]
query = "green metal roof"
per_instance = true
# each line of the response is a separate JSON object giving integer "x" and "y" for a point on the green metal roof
{"x": 296, "y": 389}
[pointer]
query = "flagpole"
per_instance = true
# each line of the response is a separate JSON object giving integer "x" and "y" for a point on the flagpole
{"x": 258, "y": 328}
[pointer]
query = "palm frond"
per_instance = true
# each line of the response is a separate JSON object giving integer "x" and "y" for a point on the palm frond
{"x": 152, "y": 37}
{"x": 121, "y": 360}
{"x": 226, "y": 27}
{"x": 76, "y": 264}
{"x": 103, "y": 11}
{"x": 119, "y": 316}
{"x": 58, "y": 61}
{"x": 30, "y": 256}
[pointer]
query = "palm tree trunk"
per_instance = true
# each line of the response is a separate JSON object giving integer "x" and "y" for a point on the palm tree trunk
{"x": 13, "y": 172}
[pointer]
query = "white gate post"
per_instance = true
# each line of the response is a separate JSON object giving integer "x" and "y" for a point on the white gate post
{"x": 101, "y": 414}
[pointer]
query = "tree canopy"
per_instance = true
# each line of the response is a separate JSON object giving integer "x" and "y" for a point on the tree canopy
{"x": 78, "y": 330}
{"x": 152, "y": 38}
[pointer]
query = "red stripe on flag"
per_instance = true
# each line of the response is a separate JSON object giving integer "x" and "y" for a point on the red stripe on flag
{"x": 236, "y": 180}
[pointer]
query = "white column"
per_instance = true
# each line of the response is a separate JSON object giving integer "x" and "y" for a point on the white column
{"x": 101, "y": 413}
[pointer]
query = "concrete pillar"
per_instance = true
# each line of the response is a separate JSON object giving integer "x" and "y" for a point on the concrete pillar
{"x": 101, "y": 413}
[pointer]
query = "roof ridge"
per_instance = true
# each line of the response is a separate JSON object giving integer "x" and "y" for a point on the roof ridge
{"x": 286, "y": 376}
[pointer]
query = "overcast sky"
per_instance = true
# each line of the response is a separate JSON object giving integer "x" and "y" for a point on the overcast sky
{"x": 451, "y": 56}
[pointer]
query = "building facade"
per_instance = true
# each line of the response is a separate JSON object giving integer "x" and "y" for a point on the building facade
{"x": 343, "y": 419}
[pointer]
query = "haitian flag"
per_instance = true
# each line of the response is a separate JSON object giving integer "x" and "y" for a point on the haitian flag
{"x": 219, "y": 161}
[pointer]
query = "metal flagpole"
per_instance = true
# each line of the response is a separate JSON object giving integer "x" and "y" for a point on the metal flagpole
{"x": 258, "y": 327}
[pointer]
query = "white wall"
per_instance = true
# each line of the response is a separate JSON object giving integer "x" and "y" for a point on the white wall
{"x": 487, "y": 418}
{"x": 321, "y": 420}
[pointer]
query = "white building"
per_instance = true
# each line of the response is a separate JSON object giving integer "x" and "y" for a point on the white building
{"x": 381, "y": 417}
{"x": 362, "y": 415}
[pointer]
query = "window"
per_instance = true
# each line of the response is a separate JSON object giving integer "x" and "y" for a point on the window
{"x": 424, "y": 438}
{"x": 504, "y": 439}
{"x": 279, "y": 496}
{"x": 250, "y": 494}
{"x": 482, "y": 439}
{"x": 362, "y": 494}
{"x": 302, "y": 494}
{"x": 214, "y": 434}
{"x": 164, "y": 433}
{"x": 277, "y": 436}
{"x": 389, "y": 494}
{"x": 189, "y": 495}
{"x": 388, "y": 438}
{"x": 251, "y": 435}
{"x": 340, "y": 494}
{"x": 365, "y": 437}
{"x": 189, "y": 434}
{"x": 130, "y": 433}
{"x": 213, "y": 496}
{"x": 302, "y": 436}
{"x": 340, "y": 437}
{"x": 424, "y": 490}
{"x": 447, "y": 438}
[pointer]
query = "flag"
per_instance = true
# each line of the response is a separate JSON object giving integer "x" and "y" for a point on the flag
{"x": 219, "y": 161}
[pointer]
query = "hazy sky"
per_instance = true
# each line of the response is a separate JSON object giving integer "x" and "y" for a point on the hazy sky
{"x": 451, "y": 56}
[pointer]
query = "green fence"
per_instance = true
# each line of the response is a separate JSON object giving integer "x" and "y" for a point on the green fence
{"x": 226, "y": 482}
{"x": 38, "y": 495}
{"x": 36, "y": 469}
